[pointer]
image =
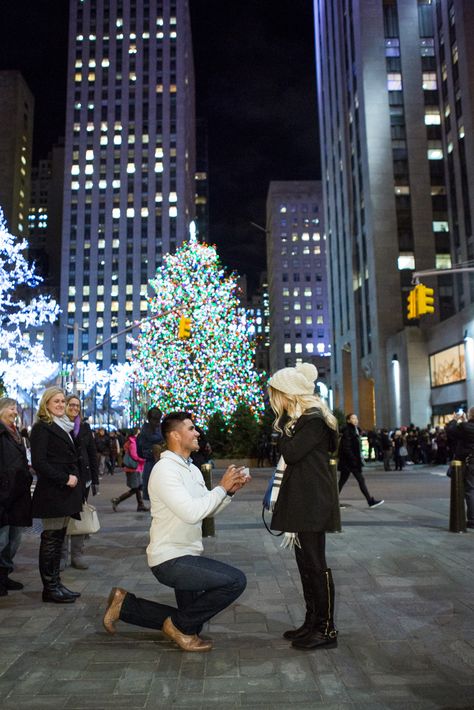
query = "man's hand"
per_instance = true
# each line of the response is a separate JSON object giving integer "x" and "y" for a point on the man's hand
{"x": 72, "y": 481}
{"x": 233, "y": 479}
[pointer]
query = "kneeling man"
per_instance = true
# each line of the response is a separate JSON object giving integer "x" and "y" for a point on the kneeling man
{"x": 179, "y": 503}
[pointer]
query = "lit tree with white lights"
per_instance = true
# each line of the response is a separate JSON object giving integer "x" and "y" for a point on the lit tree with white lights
{"x": 212, "y": 370}
{"x": 23, "y": 364}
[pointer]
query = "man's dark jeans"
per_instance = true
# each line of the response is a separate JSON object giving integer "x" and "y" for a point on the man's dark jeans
{"x": 203, "y": 587}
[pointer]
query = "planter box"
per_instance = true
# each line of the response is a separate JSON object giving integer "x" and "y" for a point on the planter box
{"x": 223, "y": 463}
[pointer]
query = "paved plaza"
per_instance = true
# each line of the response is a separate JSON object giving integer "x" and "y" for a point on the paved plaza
{"x": 404, "y": 609}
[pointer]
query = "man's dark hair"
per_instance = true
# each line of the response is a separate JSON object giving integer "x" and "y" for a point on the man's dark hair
{"x": 154, "y": 413}
{"x": 172, "y": 421}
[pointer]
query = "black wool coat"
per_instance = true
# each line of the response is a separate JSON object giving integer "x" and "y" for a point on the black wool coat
{"x": 54, "y": 458}
{"x": 463, "y": 435}
{"x": 15, "y": 481}
{"x": 350, "y": 454}
{"x": 87, "y": 454}
{"x": 308, "y": 500}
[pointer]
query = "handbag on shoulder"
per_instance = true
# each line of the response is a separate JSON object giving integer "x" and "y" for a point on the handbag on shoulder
{"x": 87, "y": 525}
{"x": 128, "y": 461}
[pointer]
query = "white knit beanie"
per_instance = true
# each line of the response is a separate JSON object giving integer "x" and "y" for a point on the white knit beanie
{"x": 295, "y": 380}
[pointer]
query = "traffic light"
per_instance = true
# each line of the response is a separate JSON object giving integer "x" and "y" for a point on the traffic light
{"x": 412, "y": 304}
{"x": 425, "y": 299}
{"x": 184, "y": 330}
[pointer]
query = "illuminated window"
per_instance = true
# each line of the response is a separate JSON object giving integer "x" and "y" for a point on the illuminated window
{"x": 173, "y": 211}
{"x": 297, "y": 306}
{"x": 130, "y": 168}
{"x": 130, "y": 212}
{"x": 394, "y": 81}
{"x": 406, "y": 261}
{"x": 158, "y": 167}
{"x": 297, "y": 320}
{"x": 430, "y": 82}
{"x": 75, "y": 170}
{"x": 173, "y": 197}
{"x": 432, "y": 116}
{"x": 435, "y": 153}
{"x": 443, "y": 261}
{"x": 298, "y": 348}
{"x": 116, "y": 212}
{"x": 309, "y": 347}
{"x": 440, "y": 226}
{"x": 287, "y": 348}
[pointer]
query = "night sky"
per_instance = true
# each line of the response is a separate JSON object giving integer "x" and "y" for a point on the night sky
{"x": 255, "y": 87}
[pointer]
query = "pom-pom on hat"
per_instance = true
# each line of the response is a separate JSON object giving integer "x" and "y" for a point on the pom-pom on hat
{"x": 295, "y": 380}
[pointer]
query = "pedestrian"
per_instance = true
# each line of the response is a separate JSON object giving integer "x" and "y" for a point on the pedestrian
{"x": 399, "y": 450}
{"x": 58, "y": 494}
{"x": 15, "y": 496}
{"x": 351, "y": 461}
{"x": 307, "y": 503}
{"x": 89, "y": 473}
{"x": 387, "y": 449}
{"x": 134, "y": 474}
{"x": 179, "y": 503}
{"x": 150, "y": 435}
{"x": 102, "y": 445}
{"x": 461, "y": 430}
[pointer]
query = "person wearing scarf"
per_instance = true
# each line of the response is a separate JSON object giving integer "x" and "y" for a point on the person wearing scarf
{"x": 57, "y": 496}
{"x": 307, "y": 505}
{"x": 15, "y": 496}
{"x": 89, "y": 477}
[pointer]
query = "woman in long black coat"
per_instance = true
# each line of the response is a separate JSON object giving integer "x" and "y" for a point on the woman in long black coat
{"x": 57, "y": 495}
{"x": 351, "y": 461}
{"x": 15, "y": 496}
{"x": 308, "y": 502}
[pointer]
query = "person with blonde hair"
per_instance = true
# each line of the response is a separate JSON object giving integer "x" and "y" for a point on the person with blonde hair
{"x": 15, "y": 496}
{"x": 57, "y": 495}
{"x": 308, "y": 502}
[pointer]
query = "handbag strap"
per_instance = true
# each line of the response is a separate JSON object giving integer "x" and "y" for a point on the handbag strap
{"x": 265, "y": 523}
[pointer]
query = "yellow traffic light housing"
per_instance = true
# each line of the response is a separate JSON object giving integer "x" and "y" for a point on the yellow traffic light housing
{"x": 412, "y": 304}
{"x": 184, "y": 330}
{"x": 425, "y": 299}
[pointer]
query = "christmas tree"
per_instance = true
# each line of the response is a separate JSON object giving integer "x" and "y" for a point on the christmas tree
{"x": 212, "y": 370}
{"x": 23, "y": 363}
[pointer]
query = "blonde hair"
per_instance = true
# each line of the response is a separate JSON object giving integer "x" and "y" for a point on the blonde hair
{"x": 296, "y": 405}
{"x": 43, "y": 414}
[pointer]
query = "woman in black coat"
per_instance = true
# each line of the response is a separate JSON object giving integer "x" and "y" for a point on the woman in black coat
{"x": 89, "y": 473}
{"x": 58, "y": 495}
{"x": 351, "y": 461}
{"x": 307, "y": 503}
{"x": 15, "y": 496}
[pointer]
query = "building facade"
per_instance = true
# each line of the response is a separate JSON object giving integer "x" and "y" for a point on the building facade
{"x": 386, "y": 197}
{"x": 296, "y": 269}
{"x": 129, "y": 163}
{"x": 16, "y": 148}
{"x": 259, "y": 311}
{"x": 45, "y": 218}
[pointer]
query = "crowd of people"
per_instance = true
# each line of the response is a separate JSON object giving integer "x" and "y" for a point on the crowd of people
{"x": 162, "y": 462}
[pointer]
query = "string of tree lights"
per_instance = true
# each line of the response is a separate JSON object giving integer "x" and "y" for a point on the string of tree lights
{"x": 210, "y": 368}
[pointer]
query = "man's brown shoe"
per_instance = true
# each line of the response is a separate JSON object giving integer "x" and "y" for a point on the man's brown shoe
{"x": 185, "y": 641}
{"x": 114, "y": 604}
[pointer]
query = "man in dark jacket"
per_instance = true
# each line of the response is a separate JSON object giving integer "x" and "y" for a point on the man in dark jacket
{"x": 351, "y": 461}
{"x": 461, "y": 431}
{"x": 150, "y": 435}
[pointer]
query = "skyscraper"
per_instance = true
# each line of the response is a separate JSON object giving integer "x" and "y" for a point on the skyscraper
{"x": 296, "y": 266}
{"x": 129, "y": 162}
{"x": 16, "y": 147}
{"x": 45, "y": 217}
{"x": 386, "y": 200}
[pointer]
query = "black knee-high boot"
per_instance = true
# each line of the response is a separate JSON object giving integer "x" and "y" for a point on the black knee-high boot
{"x": 49, "y": 560}
{"x": 124, "y": 496}
{"x": 323, "y": 633}
{"x": 309, "y": 600}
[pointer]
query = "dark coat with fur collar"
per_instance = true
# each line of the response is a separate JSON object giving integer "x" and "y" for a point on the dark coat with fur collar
{"x": 15, "y": 481}
{"x": 54, "y": 457}
{"x": 308, "y": 498}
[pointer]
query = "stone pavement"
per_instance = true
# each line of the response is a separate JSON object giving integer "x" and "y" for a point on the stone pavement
{"x": 404, "y": 608}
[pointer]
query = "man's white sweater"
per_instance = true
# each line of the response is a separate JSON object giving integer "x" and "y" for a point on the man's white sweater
{"x": 179, "y": 502}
